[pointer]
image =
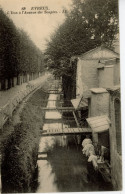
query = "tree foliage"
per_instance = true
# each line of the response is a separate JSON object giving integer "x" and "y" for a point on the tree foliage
{"x": 18, "y": 54}
{"x": 89, "y": 24}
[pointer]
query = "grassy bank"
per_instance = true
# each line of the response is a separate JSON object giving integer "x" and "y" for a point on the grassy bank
{"x": 20, "y": 148}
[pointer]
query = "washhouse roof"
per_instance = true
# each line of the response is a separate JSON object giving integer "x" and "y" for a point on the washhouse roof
{"x": 80, "y": 103}
{"x": 99, "y": 124}
{"x": 99, "y": 53}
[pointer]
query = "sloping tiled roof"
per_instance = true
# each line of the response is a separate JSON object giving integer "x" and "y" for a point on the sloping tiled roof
{"x": 98, "y": 52}
{"x": 75, "y": 102}
{"x": 99, "y": 123}
{"x": 79, "y": 103}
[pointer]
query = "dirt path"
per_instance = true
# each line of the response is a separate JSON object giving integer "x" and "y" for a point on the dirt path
{"x": 7, "y": 95}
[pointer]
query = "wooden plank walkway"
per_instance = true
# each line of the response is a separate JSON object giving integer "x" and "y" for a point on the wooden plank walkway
{"x": 62, "y": 109}
{"x": 60, "y": 127}
{"x": 66, "y": 131}
{"x": 61, "y": 120}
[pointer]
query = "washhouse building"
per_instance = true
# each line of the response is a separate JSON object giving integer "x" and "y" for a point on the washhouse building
{"x": 97, "y": 71}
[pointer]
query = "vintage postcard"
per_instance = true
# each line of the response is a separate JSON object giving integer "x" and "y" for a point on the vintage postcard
{"x": 60, "y": 96}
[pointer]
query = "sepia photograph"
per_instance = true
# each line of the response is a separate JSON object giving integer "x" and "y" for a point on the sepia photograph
{"x": 60, "y": 96}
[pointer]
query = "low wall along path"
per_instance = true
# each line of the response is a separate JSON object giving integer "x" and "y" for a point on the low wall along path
{"x": 14, "y": 99}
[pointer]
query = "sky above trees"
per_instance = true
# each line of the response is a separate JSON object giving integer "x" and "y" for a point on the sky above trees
{"x": 39, "y": 27}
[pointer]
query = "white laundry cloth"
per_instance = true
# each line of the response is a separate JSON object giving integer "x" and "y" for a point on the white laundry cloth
{"x": 87, "y": 149}
{"x": 93, "y": 159}
{"x": 86, "y": 141}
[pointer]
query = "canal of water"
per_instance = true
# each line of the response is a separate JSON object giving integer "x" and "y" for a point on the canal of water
{"x": 61, "y": 165}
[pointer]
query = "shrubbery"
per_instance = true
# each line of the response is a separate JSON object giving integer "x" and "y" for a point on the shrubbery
{"x": 20, "y": 156}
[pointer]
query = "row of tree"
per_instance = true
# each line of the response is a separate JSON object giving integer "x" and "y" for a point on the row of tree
{"x": 90, "y": 23}
{"x": 18, "y": 54}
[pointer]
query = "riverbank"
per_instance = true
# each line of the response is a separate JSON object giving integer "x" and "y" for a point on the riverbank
{"x": 20, "y": 145}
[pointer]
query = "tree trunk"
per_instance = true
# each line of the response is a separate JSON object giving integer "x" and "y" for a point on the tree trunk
{"x": 3, "y": 84}
{"x": 9, "y": 84}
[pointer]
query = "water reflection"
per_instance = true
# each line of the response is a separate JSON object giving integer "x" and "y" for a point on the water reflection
{"x": 62, "y": 166}
{"x": 64, "y": 169}
{"x": 47, "y": 178}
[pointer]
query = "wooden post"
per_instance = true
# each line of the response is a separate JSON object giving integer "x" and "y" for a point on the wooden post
{"x": 0, "y": 85}
{"x": 95, "y": 138}
{"x": 32, "y": 76}
{"x": 27, "y": 77}
{"x": 6, "y": 84}
{"x": 19, "y": 80}
{"x": 1, "y": 119}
